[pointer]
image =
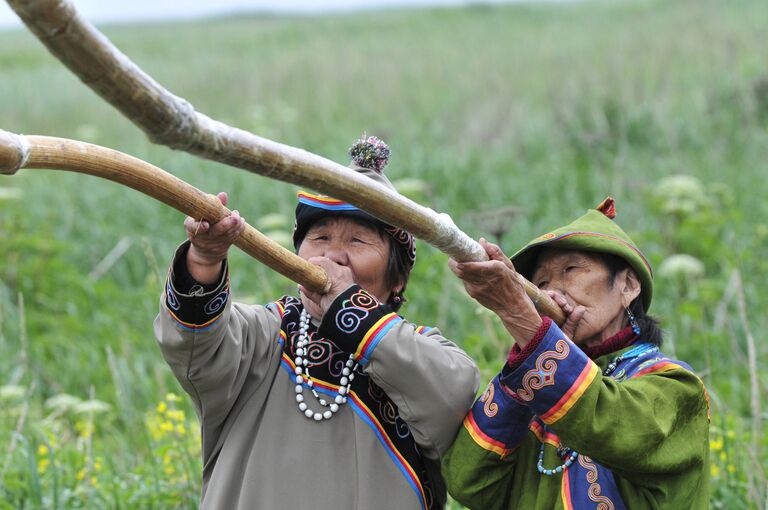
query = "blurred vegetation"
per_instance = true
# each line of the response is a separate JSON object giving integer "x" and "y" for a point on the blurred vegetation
{"x": 514, "y": 119}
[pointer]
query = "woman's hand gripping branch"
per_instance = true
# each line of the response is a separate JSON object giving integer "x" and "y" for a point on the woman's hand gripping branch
{"x": 496, "y": 285}
{"x": 210, "y": 243}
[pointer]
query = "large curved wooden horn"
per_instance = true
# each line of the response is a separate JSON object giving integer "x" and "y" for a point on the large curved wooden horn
{"x": 18, "y": 152}
{"x": 172, "y": 121}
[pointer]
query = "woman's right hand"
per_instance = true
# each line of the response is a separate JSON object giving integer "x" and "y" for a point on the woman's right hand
{"x": 496, "y": 285}
{"x": 210, "y": 243}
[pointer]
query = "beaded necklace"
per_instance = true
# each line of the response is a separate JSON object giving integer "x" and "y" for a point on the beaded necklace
{"x": 571, "y": 455}
{"x": 302, "y": 377}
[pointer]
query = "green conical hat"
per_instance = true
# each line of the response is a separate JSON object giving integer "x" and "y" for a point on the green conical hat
{"x": 595, "y": 231}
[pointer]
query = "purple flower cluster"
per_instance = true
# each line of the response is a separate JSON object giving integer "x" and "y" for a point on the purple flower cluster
{"x": 370, "y": 152}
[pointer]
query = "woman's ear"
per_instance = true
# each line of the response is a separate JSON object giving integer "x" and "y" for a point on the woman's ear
{"x": 630, "y": 286}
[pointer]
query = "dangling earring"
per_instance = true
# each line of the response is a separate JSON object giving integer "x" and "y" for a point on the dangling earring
{"x": 397, "y": 299}
{"x": 633, "y": 322}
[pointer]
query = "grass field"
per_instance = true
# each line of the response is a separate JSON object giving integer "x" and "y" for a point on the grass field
{"x": 662, "y": 105}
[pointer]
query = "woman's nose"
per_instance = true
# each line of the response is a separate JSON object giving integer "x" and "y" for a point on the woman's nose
{"x": 337, "y": 252}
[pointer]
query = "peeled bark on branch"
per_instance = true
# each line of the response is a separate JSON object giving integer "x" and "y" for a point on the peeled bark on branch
{"x": 172, "y": 121}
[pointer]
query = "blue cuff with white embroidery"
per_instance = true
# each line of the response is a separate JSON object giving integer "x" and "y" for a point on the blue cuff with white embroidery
{"x": 497, "y": 422}
{"x": 553, "y": 378}
{"x": 194, "y": 306}
{"x": 357, "y": 322}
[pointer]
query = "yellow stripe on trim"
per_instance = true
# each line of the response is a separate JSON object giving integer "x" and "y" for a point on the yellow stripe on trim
{"x": 575, "y": 395}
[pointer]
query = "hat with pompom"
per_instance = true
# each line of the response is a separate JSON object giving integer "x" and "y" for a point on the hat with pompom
{"x": 369, "y": 157}
{"x": 597, "y": 232}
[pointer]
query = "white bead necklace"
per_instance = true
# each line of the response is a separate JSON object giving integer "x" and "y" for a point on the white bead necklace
{"x": 302, "y": 376}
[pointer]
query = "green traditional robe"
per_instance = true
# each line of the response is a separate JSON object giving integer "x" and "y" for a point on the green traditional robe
{"x": 641, "y": 433}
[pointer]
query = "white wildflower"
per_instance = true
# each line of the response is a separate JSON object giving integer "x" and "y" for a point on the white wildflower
{"x": 62, "y": 402}
{"x": 681, "y": 194}
{"x": 681, "y": 266}
{"x": 92, "y": 407}
{"x": 11, "y": 392}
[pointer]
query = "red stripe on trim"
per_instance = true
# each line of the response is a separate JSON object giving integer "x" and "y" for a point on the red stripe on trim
{"x": 565, "y": 491}
{"x": 320, "y": 198}
{"x": 484, "y": 440}
{"x": 661, "y": 366}
{"x": 572, "y": 395}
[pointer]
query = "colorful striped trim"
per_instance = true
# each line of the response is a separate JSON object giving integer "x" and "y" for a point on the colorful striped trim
{"x": 632, "y": 247}
{"x": 188, "y": 326}
{"x": 483, "y": 440}
{"x": 544, "y": 436}
{"x": 374, "y": 336}
{"x": 370, "y": 419}
{"x": 565, "y": 491}
{"x": 327, "y": 203}
{"x": 577, "y": 389}
{"x": 661, "y": 366}
{"x": 422, "y": 329}
{"x": 277, "y": 306}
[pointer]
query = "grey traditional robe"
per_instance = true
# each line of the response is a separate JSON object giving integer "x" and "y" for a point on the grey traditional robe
{"x": 381, "y": 450}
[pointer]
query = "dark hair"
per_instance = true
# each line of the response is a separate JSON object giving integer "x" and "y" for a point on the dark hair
{"x": 649, "y": 326}
{"x": 398, "y": 264}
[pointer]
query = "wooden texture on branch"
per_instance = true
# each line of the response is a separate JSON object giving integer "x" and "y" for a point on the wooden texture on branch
{"x": 18, "y": 152}
{"x": 172, "y": 121}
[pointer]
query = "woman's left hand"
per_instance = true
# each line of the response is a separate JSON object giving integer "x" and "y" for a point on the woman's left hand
{"x": 341, "y": 278}
{"x": 496, "y": 285}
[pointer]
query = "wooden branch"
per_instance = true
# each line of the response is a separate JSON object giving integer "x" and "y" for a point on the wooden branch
{"x": 172, "y": 121}
{"x": 18, "y": 152}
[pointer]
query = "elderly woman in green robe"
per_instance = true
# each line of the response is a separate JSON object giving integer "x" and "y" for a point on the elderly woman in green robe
{"x": 591, "y": 414}
{"x": 326, "y": 402}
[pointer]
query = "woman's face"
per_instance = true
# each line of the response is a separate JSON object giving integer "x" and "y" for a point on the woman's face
{"x": 356, "y": 245}
{"x": 585, "y": 280}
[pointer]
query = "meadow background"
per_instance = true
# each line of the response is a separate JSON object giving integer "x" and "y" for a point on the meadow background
{"x": 513, "y": 119}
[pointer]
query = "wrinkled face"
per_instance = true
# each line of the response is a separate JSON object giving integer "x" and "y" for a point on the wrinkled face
{"x": 585, "y": 280}
{"x": 354, "y": 244}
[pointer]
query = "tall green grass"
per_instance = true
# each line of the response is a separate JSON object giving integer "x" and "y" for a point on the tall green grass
{"x": 548, "y": 108}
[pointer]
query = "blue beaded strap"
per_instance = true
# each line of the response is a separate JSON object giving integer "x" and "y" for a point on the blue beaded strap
{"x": 634, "y": 352}
{"x": 566, "y": 453}
{"x": 569, "y": 455}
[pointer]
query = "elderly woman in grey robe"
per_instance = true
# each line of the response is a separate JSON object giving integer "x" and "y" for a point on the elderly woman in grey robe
{"x": 330, "y": 401}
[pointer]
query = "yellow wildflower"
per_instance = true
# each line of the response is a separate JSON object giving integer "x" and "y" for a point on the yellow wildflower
{"x": 175, "y": 415}
{"x": 84, "y": 429}
{"x": 731, "y": 468}
{"x": 714, "y": 471}
{"x": 166, "y": 426}
{"x": 42, "y": 465}
{"x": 80, "y": 475}
{"x": 181, "y": 429}
{"x": 716, "y": 445}
{"x": 42, "y": 450}
{"x": 172, "y": 397}
{"x": 161, "y": 407}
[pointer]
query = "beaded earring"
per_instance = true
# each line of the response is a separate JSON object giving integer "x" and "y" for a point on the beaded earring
{"x": 633, "y": 322}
